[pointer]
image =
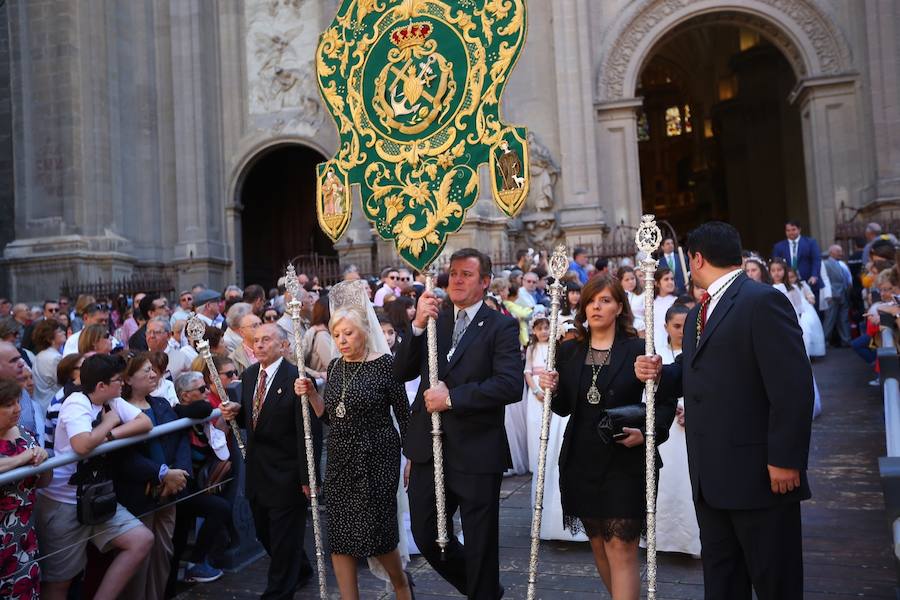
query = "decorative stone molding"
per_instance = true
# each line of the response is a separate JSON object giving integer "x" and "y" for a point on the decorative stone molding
{"x": 281, "y": 85}
{"x": 800, "y": 28}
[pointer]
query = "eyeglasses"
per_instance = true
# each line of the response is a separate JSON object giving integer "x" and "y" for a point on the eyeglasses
{"x": 53, "y": 310}
{"x": 202, "y": 389}
{"x": 97, "y": 308}
{"x": 114, "y": 381}
{"x": 231, "y": 373}
{"x": 270, "y": 318}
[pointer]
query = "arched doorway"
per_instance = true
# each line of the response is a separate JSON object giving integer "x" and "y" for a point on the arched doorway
{"x": 717, "y": 135}
{"x": 824, "y": 95}
{"x": 278, "y": 220}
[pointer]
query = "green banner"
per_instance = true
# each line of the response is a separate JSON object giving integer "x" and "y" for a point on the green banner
{"x": 414, "y": 87}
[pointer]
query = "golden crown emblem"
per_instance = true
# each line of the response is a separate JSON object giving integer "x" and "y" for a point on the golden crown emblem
{"x": 413, "y": 34}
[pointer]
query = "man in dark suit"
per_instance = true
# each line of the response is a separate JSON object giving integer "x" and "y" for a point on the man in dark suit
{"x": 668, "y": 258}
{"x": 480, "y": 372}
{"x": 277, "y": 484}
{"x": 800, "y": 252}
{"x": 748, "y": 394}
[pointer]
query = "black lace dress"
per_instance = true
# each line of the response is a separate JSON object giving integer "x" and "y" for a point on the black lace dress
{"x": 363, "y": 465}
{"x": 603, "y": 485}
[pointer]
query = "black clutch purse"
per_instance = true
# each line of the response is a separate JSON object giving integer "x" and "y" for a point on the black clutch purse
{"x": 613, "y": 420}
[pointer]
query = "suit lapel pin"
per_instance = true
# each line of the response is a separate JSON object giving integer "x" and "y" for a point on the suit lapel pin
{"x": 279, "y": 391}
{"x": 480, "y": 323}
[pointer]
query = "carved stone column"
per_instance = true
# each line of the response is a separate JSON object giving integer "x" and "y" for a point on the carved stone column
{"x": 834, "y": 165}
{"x": 618, "y": 160}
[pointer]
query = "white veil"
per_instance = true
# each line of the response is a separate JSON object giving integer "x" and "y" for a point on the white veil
{"x": 354, "y": 295}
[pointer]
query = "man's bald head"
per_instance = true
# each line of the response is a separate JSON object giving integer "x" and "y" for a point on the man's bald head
{"x": 836, "y": 252}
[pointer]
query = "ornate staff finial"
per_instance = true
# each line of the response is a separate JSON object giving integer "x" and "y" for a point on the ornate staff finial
{"x": 648, "y": 236}
{"x": 195, "y": 328}
{"x": 558, "y": 263}
{"x": 291, "y": 282}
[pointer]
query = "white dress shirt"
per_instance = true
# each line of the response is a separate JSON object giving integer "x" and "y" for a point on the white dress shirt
{"x": 717, "y": 289}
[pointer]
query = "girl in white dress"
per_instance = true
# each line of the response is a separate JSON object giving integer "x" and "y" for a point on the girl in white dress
{"x": 635, "y": 297}
{"x": 676, "y": 521}
{"x": 665, "y": 298}
{"x": 809, "y": 318}
{"x": 535, "y": 364}
{"x": 813, "y": 336}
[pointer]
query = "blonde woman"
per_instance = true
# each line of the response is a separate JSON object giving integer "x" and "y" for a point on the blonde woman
{"x": 363, "y": 466}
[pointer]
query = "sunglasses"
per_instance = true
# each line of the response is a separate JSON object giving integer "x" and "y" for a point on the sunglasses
{"x": 231, "y": 373}
{"x": 202, "y": 389}
{"x": 53, "y": 310}
{"x": 270, "y": 318}
{"x": 97, "y": 308}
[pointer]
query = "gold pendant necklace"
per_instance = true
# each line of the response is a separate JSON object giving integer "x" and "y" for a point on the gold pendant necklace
{"x": 593, "y": 395}
{"x": 340, "y": 411}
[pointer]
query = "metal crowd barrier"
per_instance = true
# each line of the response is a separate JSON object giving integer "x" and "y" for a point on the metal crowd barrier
{"x": 239, "y": 554}
{"x": 889, "y": 466}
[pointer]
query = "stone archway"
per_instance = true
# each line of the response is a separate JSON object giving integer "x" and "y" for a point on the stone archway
{"x": 825, "y": 93}
{"x": 272, "y": 218}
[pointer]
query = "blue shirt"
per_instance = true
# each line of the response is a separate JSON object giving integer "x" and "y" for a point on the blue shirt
{"x": 31, "y": 419}
{"x": 579, "y": 270}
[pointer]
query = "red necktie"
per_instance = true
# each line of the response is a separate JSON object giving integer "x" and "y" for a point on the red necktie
{"x": 704, "y": 306}
{"x": 259, "y": 397}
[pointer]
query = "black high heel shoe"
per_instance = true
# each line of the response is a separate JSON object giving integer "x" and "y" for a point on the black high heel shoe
{"x": 411, "y": 584}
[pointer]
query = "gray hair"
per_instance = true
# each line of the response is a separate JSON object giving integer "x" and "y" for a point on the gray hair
{"x": 282, "y": 333}
{"x": 238, "y": 311}
{"x": 164, "y": 320}
{"x": 186, "y": 380}
{"x": 351, "y": 269}
{"x": 234, "y": 288}
{"x": 873, "y": 228}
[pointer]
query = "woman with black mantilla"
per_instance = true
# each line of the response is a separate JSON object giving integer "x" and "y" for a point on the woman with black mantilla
{"x": 603, "y": 484}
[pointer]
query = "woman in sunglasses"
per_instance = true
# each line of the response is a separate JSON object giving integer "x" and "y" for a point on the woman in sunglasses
{"x": 228, "y": 373}
{"x": 94, "y": 339}
{"x": 270, "y": 315}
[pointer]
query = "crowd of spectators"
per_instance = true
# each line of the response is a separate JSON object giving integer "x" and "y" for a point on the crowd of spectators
{"x": 74, "y": 374}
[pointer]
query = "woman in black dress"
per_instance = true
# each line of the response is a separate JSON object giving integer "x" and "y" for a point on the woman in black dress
{"x": 363, "y": 466}
{"x": 603, "y": 484}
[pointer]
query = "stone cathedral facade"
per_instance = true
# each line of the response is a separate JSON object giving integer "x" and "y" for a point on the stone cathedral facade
{"x": 178, "y": 137}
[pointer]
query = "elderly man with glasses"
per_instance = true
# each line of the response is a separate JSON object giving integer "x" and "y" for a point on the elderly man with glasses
{"x": 243, "y": 355}
{"x": 185, "y": 307}
{"x": 158, "y": 334}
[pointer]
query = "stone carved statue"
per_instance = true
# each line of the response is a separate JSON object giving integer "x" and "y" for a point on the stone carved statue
{"x": 539, "y": 220}
{"x": 544, "y": 173}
